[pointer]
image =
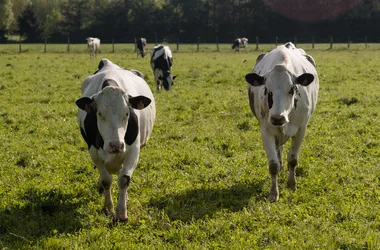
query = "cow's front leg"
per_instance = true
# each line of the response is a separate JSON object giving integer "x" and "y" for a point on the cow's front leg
{"x": 105, "y": 182}
{"x": 124, "y": 180}
{"x": 158, "y": 86}
{"x": 273, "y": 162}
{"x": 293, "y": 157}
{"x": 121, "y": 209}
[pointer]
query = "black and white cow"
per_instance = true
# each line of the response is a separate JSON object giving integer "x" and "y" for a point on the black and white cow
{"x": 161, "y": 63}
{"x": 116, "y": 117}
{"x": 240, "y": 43}
{"x": 93, "y": 45}
{"x": 283, "y": 93}
{"x": 141, "y": 45}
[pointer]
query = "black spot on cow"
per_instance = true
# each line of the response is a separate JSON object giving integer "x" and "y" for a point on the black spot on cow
{"x": 90, "y": 132}
{"x": 109, "y": 82}
{"x": 132, "y": 129}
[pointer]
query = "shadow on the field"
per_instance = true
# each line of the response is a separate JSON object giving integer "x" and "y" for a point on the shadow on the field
{"x": 39, "y": 214}
{"x": 204, "y": 202}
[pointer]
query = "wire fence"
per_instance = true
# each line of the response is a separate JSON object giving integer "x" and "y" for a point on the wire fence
{"x": 197, "y": 45}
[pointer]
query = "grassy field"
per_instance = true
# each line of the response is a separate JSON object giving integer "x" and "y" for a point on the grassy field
{"x": 202, "y": 180}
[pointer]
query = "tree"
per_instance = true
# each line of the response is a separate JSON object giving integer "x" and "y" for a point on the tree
{"x": 28, "y": 25}
{"x": 6, "y": 17}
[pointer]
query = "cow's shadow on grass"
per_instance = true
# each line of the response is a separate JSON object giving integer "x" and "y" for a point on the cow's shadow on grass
{"x": 39, "y": 214}
{"x": 204, "y": 202}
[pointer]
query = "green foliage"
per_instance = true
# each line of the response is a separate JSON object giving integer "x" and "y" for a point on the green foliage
{"x": 202, "y": 179}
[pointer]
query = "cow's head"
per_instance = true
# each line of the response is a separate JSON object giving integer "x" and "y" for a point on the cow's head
{"x": 113, "y": 109}
{"x": 167, "y": 80}
{"x": 280, "y": 92}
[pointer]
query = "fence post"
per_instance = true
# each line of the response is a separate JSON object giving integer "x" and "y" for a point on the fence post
{"x": 365, "y": 40}
{"x": 135, "y": 45}
{"x": 177, "y": 44}
{"x": 19, "y": 45}
{"x": 113, "y": 45}
{"x": 331, "y": 42}
{"x": 348, "y": 42}
{"x": 217, "y": 44}
{"x": 312, "y": 46}
{"x": 257, "y": 43}
{"x": 295, "y": 41}
{"x": 68, "y": 44}
{"x": 155, "y": 35}
{"x": 198, "y": 44}
{"x": 45, "y": 45}
{"x": 276, "y": 41}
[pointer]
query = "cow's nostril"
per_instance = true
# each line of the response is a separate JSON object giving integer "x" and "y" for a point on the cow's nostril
{"x": 278, "y": 120}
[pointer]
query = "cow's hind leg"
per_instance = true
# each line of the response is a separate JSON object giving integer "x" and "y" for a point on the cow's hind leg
{"x": 293, "y": 158}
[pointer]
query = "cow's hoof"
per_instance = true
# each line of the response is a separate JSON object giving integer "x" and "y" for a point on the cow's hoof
{"x": 292, "y": 184}
{"x": 124, "y": 221}
{"x": 273, "y": 197}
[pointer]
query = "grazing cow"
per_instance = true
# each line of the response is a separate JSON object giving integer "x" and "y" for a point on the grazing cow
{"x": 93, "y": 45}
{"x": 283, "y": 92}
{"x": 141, "y": 44}
{"x": 161, "y": 63}
{"x": 240, "y": 43}
{"x": 116, "y": 116}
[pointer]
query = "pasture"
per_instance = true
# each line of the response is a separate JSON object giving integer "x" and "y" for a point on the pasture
{"x": 202, "y": 180}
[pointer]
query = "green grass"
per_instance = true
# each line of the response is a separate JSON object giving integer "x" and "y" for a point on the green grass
{"x": 202, "y": 180}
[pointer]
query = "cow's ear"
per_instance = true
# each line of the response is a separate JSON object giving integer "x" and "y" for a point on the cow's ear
{"x": 85, "y": 103}
{"x": 139, "y": 102}
{"x": 305, "y": 79}
{"x": 254, "y": 79}
{"x": 174, "y": 77}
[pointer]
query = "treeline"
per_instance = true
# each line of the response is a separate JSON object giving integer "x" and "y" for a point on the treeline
{"x": 169, "y": 20}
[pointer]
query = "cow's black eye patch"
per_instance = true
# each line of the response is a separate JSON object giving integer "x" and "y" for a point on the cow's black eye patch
{"x": 270, "y": 100}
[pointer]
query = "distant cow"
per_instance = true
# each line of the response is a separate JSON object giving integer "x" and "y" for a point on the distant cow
{"x": 141, "y": 45}
{"x": 283, "y": 92}
{"x": 161, "y": 63}
{"x": 116, "y": 116}
{"x": 93, "y": 45}
{"x": 240, "y": 43}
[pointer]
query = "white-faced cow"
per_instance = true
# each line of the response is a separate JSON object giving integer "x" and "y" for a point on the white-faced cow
{"x": 93, "y": 45}
{"x": 161, "y": 63}
{"x": 240, "y": 43}
{"x": 116, "y": 116}
{"x": 283, "y": 92}
{"x": 141, "y": 45}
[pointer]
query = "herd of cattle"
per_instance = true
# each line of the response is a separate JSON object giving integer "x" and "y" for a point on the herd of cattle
{"x": 117, "y": 112}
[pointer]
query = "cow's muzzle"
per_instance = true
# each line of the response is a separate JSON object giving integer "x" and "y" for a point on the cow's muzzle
{"x": 116, "y": 147}
{"x": 277, "y": 120}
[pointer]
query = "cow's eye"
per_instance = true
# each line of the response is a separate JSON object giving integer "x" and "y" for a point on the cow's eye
{"x": 291, "y": 91}
{"x": 99, "y": 114}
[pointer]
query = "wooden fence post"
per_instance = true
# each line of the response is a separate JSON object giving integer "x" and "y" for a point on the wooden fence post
{"x": 135, "y": 45}
{"x": 312, "y": 46}
{"x": 19, "y": 45}
{"x": 348, "y": 42}
{"x": 113, "y": 45}
{"x": 155, "y": 35}
{"x": 276, "y": 41}
{"x": 257, "y": 43}
{"x": 295, "y": 41}
{"x": 45, "y": 45}
{"x": 331, "y": 42}
{"x": 217, "y": 44}
{"x": 68, "y": 44}
{"x": 198, "y": 44}
{"x": 365, "y": 41}
{"x": 177, "y": 44}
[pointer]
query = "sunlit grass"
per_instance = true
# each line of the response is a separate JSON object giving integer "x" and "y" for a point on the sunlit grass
{"x": 202, "y": 180}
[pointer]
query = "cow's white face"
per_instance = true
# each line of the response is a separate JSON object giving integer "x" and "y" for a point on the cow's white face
{"x": 113, "y": 108}
{"x": 280, "y": 92}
